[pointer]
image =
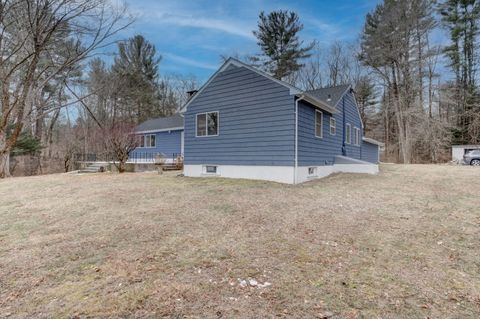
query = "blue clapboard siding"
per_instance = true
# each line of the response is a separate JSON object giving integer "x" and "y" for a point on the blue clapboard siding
{"x": 311, "y": 149}
{"x": 322, "y": 151}
{"x": 353, "y": 117}
{"x": 167, "y": 142}
{"x": 256, "y": 121}
{"x": 370, "y": 152}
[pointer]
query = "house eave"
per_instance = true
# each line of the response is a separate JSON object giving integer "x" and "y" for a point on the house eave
{"x": 372, "y": 141}
{"x": 318, "y": 103}
{"x": 160, "y": 130}
{"x": 235, "y": 62}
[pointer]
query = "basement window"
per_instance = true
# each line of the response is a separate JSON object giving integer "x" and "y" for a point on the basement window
{"x": 210, "y": 169}
{"x": 312, "y": 171}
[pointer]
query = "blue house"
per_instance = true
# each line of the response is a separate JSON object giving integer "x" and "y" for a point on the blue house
{"x": 243, "y": 123}
{"x": 160, "y": 136}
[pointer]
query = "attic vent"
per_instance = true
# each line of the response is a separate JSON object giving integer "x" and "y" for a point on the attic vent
{"x": 329, "y": 98}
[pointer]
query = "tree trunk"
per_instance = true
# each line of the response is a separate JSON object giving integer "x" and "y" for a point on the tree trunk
{"x": 400, "y": 117}
{"x": 4, "y": 157}
{"x": 430, "y": 91}
{"x": 5, "y": 165}
{"x": 49, "y": 137}
{"x": 120, "y": 166}
{"x": 420, "y": 69}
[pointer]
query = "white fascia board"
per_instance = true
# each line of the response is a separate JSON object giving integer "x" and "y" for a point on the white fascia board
{"x": 356, "y": 103}
{"x": 372, "y": 141}
{"x": 318, "y": 103}
{"x": 162, "y": 130}
{"x": 358, "y": 110}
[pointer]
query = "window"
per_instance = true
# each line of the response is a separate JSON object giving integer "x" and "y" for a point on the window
{"x": 318, "y": 123}
{"x": 212, "y": 123}
{"x": 312, "y": 171}
{"x": 472, "y": 152}
{"x": 348, "y": 134}
{"x": 147, "y": 141}
{"x": 207, "y": 124}
{"x": 333, "y": 126}
{"x": 210, "y": 169}
{"x": 356, "y": 131}
{"x": 152, "y": 141}
{"x": 141, "y": 141}
{"x": 201, "y": 124}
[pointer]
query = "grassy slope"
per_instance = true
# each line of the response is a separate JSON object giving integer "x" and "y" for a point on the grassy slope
{"x": 403, "y": 244}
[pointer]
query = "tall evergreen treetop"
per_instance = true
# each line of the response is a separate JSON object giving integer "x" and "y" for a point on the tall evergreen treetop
{"x": 138, "y": 57}
{"x": 136, "y": 69}
{"x": 278, "y": 39}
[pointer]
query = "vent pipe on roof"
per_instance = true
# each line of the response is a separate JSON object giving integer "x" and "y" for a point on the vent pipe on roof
{"x": 329, "y": 98}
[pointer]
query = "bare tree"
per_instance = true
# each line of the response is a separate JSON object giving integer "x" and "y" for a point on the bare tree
{"x": 390, "y": 47}
{"x": 312, "y": 76}
{"x": 337, "y": 64}
{"x": 120, "y": 141}
{"x": 30, "y": 30}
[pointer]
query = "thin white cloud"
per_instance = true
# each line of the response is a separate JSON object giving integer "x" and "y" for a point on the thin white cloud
{"x": 175, "y": 14}
{"x": 325, "y": 32}
{"x": 230, "y": 27}
{"x": 187, "y": 61}
{"x": 323, "y": 26}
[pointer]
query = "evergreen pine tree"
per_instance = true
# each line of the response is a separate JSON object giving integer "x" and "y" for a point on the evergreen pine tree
{"x": 278, "y": 39}
{"x": 136, "y": 70}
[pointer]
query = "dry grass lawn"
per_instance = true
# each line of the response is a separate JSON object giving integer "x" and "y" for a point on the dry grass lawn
{"x": 402, "y": 244}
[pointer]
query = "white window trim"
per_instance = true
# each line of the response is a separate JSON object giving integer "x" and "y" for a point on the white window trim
{"x": 205, "y": 173}
{"x": 144, "y": 137}
{"x": 348, "y": 137}
{"x": 357, "y": 135}
{"x": 206, "y": 124}
{"x": 321, "y": 124}
{"x": 333, "y": 126}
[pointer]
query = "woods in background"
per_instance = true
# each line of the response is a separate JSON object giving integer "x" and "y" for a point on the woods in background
{"x": 42, "y": 45}
{"x": 125, "y": 94}
{"x": 48, "y": 63}
{"x": 415, "y": 95}
{"x": 60, "y": 97}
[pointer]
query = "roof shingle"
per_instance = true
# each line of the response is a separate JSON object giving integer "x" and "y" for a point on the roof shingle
{"x": 330, "y": 95}
{"x": 161, "y": 123}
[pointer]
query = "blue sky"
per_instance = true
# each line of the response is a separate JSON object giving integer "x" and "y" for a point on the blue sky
{"x": 191, "y": 35}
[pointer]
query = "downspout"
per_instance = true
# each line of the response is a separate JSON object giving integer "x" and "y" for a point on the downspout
{"x": 361, "y": 147}
{"x": 296, "y": 140}
{"x": 344, "y": 147}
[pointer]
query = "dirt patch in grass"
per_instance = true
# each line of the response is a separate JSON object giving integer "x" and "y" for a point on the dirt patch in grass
{"x": 402, "y": 244}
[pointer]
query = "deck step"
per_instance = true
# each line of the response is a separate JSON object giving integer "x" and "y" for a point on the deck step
{"x": 92, "y": 168}
{"x": 171, "y": 167}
